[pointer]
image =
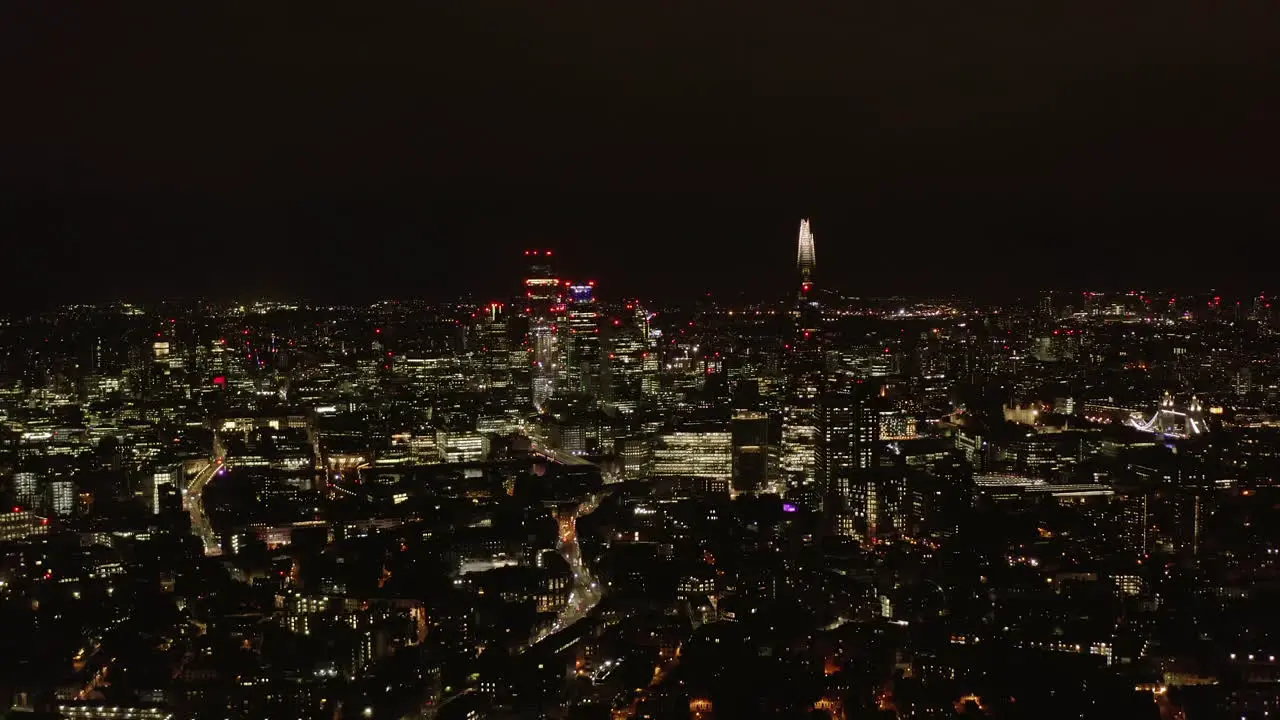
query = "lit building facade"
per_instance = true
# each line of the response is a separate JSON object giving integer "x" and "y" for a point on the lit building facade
{"x": 494, "y": 349}
{"x": 21, "y": 523}
{"x": 694, "y": 453}
{"x": 806, "y": 256}
{"x": 750, "y": 431}
{"x": 579, "y": 369}
{"x": 542, "y": 300}
{"x": 62, "y": 497}
{"x": 848, "y": 427}
{"x": 632, "y": 358}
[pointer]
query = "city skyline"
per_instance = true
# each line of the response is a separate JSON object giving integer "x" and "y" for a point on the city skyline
{"x": 343, "y": 260}
{"x": 501, "y": 360}
{"x": 682, "y": 281}
{"x": 572, "y": 505}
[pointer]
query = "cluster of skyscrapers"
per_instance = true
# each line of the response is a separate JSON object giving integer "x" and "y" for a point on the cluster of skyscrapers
{"x": 561, "y": 504}
{"x": 558, "y": 339}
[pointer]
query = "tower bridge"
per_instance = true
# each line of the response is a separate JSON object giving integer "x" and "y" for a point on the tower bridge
{"x": 1171, "y": 420}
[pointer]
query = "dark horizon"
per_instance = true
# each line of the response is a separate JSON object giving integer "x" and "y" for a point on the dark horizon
{"x": 328, "y": 253}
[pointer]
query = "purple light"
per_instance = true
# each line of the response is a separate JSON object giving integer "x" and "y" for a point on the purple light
{"x": 788, "y": 507}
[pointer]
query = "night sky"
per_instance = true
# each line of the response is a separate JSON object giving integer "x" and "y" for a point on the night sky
{"x": 350, "y": 150}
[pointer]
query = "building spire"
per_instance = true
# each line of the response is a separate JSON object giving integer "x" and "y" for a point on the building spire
{"x": 806, "y": 260}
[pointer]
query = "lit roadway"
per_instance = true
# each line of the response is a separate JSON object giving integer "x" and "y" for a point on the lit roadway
{"x": 559, "y": 456}
{"x": 194, "y": 500}
{"x": 585, "y": 591}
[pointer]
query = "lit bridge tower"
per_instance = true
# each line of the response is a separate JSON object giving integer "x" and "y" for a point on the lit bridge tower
{"x": 1169, "y": 420}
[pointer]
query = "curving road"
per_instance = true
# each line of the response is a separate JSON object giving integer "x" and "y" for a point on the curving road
{"x": 194, "y": 501}
{"x": 585, "y": 592}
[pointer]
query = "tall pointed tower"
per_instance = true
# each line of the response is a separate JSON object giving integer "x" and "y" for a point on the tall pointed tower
{"x": 808, "y": 314}
{"x": 806, "y": 260}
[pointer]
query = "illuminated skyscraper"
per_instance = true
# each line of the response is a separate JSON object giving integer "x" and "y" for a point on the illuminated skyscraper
{"x": 848, "y": 429}
{"x": 695, "y": 451}
{"x": 632, "y": 357}
{"x": 801, "y": 426}
{"x": 807, "y": 340}
{"x": 491, "y": 332}
{"x": 750, "y": 434}
{"x": 542, "y": 298}
{"x": 806, "y": 260}
{"x": 799, "y": 447}
{"x": 26, "y": 488}
{"x": 580, "y": 340}
{"x": 62, "y": 496}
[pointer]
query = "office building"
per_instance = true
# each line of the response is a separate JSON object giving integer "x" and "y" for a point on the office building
{"x": 579, "y": 341}
{"x": 542, "y": 303}
{"x": 750, "y": 432}
{"x": 848, "y": 428}
{"x": 694, "y": 451}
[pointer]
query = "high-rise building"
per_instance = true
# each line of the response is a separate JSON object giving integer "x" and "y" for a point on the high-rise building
{"x": 542, "y": 301}
{"x": 848, "y": 428}
{"x": 1261, "y": 309}
{"x": 21, "y": 523}
{"x": 694, "y": 452}
{"x": 750, "y": 431}
{"x": 799, "y": 447}
{"x": 1243, "y": 382}
{"x": 806, "y": 343}
{"x": 156, "y": 485}
{"x": 806, "y": 259}
{"x": 803, "y": 365}
{"x": 458, "y": 446}
{"x": 1047, "y": 307}
{"x": 26, "y": 488}
{"x": 637, "y": 455}
{"x": 580, "y": 340}
{"x": 631, "y": 354}
{"x": 495, "y": 350}
{"x": 62, "y": 496}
